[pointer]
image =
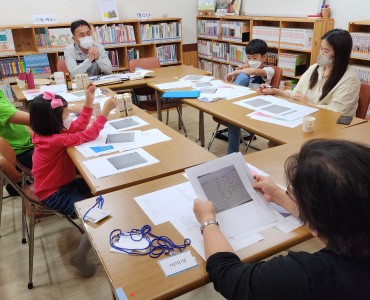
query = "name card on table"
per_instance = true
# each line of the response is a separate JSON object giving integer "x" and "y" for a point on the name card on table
{"x": 177, "y": 263}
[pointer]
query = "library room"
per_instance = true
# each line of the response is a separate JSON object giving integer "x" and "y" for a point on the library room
{"x": 198, "y": 149}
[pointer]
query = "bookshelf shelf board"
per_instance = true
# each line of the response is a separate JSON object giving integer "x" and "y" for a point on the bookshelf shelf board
{"x": 296, "y": 50}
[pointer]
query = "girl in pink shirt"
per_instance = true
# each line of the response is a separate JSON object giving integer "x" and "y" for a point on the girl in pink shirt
{"x": 53, "y": 170}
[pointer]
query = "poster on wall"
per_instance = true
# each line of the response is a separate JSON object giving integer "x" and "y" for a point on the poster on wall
{"x": 232, "y": 6}
{"x": 206, "y": 5}
{"x": 108, "y": 10}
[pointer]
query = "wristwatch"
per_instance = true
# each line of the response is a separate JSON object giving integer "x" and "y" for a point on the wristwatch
{"x": 206, "y": 223}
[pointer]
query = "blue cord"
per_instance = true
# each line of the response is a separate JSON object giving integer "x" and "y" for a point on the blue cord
{"x": 99, "y": 202}
{"x": 157, "y": 245}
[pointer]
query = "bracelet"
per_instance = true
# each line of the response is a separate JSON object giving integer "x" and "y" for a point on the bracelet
{"x": 206, "y": 223}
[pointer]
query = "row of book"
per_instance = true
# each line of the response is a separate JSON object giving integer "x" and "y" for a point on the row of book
{"x": 220, "y": 51}
{"x": 272, "y": 59}
{"x": 235, "y": 31}
{"x": 56, "y": 38}
{"x": 113, "y": 57}
{"x": 237, "y": 54}
{"x": 289, "y": 38}
{"x": 164, "y": 32}
{"x": 38, "y": 64}
{"x": 10, "y": 68}
{"x": 7, "y": 90}
{"x": 205, "y": 65}
{"x": 167, "y": 54}
{"x": 288, "y": 84}
{"x": 293, "y": 64}
{"x": 205, "y": 49}
{"x": 209, "y": 28}
{"x": 133, "y": 54}
{"x": 363, "y": 73}
{"x": 361, "y": 45}
{"x": 115, "y": 34}
{"x": 218, "y": 70}
{"x": 7, "y": 46}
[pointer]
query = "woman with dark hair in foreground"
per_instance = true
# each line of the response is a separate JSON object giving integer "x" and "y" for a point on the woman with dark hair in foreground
{"x": 329, "y": 190}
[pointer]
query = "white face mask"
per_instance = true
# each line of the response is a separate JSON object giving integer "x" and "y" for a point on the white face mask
{"x": 68, "y": 121}
{"x": 324, "y": 61}
{"x": 86, "y": 42}
{"x": 254, "y": 63}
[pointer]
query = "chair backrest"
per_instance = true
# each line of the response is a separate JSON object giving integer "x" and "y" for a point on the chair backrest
{"x": 363, "y": 101}
{"x": 8, "y": 161}
{"x": 62, "y": 67}
{"x": 275, "y": 81}
{"x": 145, "y": 63}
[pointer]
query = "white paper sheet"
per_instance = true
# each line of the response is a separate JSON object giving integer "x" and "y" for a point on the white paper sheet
{"x": 173, "y": 85}
{"x": 30, "y": 94}
{"x": 227, "y": 182}
{"x": 196, "y": 78}
{"x": 256, "y": 115}
{"x": 189, "y": 228}
{"x": 118, "y": 163}
{"x": 276, "y": 107}
{"x": 142, "y": 139}
{"x": 127, "y": 123}
{"x": 54, "y": 88}
{"x": 175, "y": 204}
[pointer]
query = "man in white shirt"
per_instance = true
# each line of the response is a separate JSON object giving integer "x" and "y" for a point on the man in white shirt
{"x": 85, "y": 55}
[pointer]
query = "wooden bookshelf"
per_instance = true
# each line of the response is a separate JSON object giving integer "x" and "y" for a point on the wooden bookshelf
{"x": 36, "y": 39}
{"x": 318, "y": 26}
{"x": 360, "y": 57}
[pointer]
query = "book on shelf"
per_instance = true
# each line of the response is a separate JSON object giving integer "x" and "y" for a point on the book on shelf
{"x": 296, "y": 38}
{"x": 237, "y": 54}
{"x": 293, "y": 64}
{"x": 6, "y": 42}
{"x": 205, "y": 65}
{"x": 272, "y": 59}
{"x": 205, "y": 49}
{"x": 133, "y": 54}
{"x": 38, "y": 64}
{"x": 269, "y": 34}
{"x": 7, "y": 90}
{"x": 209, "y": 28}
{"x": 115, "y": 34}
{"x": 55, "y": 38}
{"x": 361, "y": 45}
{"x": 161, "y": 32}
{"x": 288, "y": 84}
{"x": 167, "y": 54}
{"x": 220, "y": 51}
{"x": 233, "y": 30}
{"x": 113, "y": 57}
{"x": 226, "y": 69}
{"x": 10, "y": 68}
{"x": 363, "y": 73}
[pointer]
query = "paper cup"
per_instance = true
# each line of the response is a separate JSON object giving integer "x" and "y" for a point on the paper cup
{"x": 308, "y": 123}
{"x": 58, "y": 77}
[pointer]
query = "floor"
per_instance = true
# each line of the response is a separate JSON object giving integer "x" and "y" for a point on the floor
{"x": 55, "y": 240}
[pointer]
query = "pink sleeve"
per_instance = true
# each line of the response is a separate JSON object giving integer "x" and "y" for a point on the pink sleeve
{"x": 87, "y": 135}
{"x": 81, "y": 122}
